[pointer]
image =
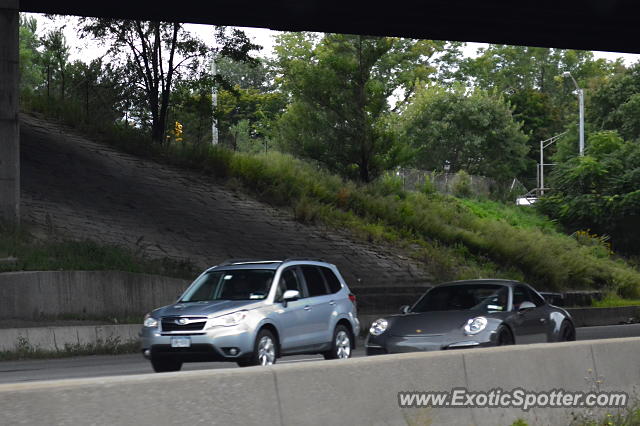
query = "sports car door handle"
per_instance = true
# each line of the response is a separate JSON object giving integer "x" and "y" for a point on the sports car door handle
{"x": 307, "y": 308}
{"x": 332, "y": 303}
{"x": 543, "y": 320}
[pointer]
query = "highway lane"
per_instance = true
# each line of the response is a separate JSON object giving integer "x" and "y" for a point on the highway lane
{"x": 114, "y": 365}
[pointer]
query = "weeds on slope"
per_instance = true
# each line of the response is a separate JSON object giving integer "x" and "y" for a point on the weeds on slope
{"x": 457, "y": 238}
{"x": 20, "y": 251}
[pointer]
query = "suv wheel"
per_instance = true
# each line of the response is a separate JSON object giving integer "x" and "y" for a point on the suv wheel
{"x": 340, "y": 345}
{"x": 265, "y": 350}
{"x": 165, "y": 364}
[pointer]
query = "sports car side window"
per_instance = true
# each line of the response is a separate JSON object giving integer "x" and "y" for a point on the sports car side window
{"x": 535, "y": 298}
{"x": 520, "y": 294}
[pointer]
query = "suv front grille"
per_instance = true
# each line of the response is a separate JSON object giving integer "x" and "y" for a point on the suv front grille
{"x": 193, "y": 323}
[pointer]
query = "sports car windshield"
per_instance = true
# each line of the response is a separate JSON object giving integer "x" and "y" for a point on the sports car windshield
{"x": 240, "y": 284}
{"x": 483, "y": 297}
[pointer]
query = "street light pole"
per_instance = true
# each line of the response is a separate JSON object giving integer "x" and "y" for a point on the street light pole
{"x": 581, "y": 102}
{"x": 581, "y": 109}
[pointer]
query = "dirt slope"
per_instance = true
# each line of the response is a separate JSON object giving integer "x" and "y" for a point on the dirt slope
{"x": 80, "y": 189}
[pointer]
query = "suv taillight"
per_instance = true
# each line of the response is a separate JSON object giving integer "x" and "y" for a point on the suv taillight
{"x": 352, "y": 297}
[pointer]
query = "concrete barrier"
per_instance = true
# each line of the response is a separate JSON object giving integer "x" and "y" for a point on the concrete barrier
{"x": 362, "y": 391}
{"x": 587, "y": 317}
{"x": 80, "y": 294}
{"x": 58, "y": 338}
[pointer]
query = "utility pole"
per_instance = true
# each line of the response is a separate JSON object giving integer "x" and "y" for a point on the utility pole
{"x": 543, "y": 145}
{"x": 581, "y": 110}
{"x": 214, "y": 103}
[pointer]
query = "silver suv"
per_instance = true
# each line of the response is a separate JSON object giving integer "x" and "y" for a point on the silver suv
{"x": 252, "y": 312}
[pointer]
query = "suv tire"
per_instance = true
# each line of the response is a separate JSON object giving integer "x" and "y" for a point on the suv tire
{"x": 265, "y": 350}
{"x": 341, "y": 344}
{"x": 165, "y": 364}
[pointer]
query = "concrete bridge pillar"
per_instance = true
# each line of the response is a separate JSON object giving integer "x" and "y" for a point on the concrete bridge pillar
{"x": 9, "y": 125}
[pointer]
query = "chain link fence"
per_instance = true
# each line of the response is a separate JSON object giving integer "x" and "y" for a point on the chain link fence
{"x": 459, "y": 184}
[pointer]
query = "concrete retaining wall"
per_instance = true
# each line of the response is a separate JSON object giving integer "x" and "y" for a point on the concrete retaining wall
{"x": 56, "y": 338}
{"x": 78, "y": 294}
{"x": 362, "y": 391}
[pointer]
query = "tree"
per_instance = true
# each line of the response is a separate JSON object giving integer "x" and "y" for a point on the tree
{"x": 599, "y": 191}
{"x": 55, "y": 57}
{"x": 340, "y": 86}
{"x": 158, "y": 54}
{"x": 615, "y": 105}
{"x": 476, "y": 133}
{"x": 30, "y": 72}
{"x": 531, "y": 79}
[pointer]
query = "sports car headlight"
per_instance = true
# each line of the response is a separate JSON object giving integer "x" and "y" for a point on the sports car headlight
{"x": 379, "y": 326}
{"x": 475, "y": 325}
{"x": 227, "y": 320}
{"x": 150, "y": 321}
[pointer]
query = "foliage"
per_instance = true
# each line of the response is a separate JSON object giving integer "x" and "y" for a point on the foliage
{"x": 340, "y": 86}
{"x": 475, "y": 133}
{"x": 600, "y": 191}
{"x": 531, "y": 79}
{"x": 462, "y": 185}
{"x": 615, "y": 105}
{"x": 447, "y": 234}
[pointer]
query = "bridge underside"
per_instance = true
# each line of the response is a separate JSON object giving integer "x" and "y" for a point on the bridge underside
{"x": 587, "y": 24}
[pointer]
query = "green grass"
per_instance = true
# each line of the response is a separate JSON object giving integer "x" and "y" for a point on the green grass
{"x": 455, "y": 238}
{"x": 110, "y": 346}
{"x": 614, "y": 301}
{"x": 38, "y": 255}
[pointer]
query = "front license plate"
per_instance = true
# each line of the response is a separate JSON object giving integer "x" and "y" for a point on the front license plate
{"x": 180, "y": 342}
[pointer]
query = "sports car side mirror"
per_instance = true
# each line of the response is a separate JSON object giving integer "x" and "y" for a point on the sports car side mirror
{"x": 525, "y": 305}
{"x": 404, "y": 309}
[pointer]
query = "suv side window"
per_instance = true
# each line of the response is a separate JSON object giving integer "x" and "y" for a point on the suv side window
{"x": 314, "y": 280}
{"x": 288, "y": 281}
{"x": 332, "y": 280}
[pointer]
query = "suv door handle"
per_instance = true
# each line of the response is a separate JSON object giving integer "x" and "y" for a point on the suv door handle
{"x": 332, "y": 302}
{"x": 307, "y": 308}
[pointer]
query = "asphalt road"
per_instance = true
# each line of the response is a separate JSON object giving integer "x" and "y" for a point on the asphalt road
{"x": 115, "y": 365}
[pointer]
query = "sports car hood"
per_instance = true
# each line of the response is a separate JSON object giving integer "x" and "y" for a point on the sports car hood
{"x": 429, "y": 323}
{"x": 214, "y": 307}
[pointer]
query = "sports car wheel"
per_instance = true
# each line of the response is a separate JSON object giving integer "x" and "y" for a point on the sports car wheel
{"x": 504, "y": 336}
{"x": 567, "y": 332}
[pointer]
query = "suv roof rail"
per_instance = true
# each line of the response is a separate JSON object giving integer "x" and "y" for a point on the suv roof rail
{"x": 245, "y": 261}
{"x": 291, "y": 259}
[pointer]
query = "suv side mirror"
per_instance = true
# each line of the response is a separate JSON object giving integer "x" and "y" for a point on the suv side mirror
{"x": 404, "y": 309}
{"x": 289, "y": 296}
{"x": 526, "y": 305}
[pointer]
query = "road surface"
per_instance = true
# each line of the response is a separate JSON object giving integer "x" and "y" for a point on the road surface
{"x": 114, "y": 365}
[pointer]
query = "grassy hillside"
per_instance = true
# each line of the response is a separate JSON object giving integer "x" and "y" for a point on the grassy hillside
{"x": 455, "y": 238}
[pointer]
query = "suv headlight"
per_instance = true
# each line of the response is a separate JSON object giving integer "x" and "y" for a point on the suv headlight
{"x": 150, "y": 321}
{"x": 475, "y": 325}
{"x": 227, "y": 320}
{"x": 379, "y": 326}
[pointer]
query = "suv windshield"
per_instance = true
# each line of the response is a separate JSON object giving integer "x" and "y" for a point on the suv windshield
{"x": 483, "y": 297}
{"x": 238, "y": 284}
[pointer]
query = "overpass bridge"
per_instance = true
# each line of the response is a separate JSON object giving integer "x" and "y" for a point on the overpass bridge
{"x": 587, "y": 24}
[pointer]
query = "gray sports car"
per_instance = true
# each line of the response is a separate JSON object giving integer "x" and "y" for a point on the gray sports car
{"x": 473, "y": 313}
